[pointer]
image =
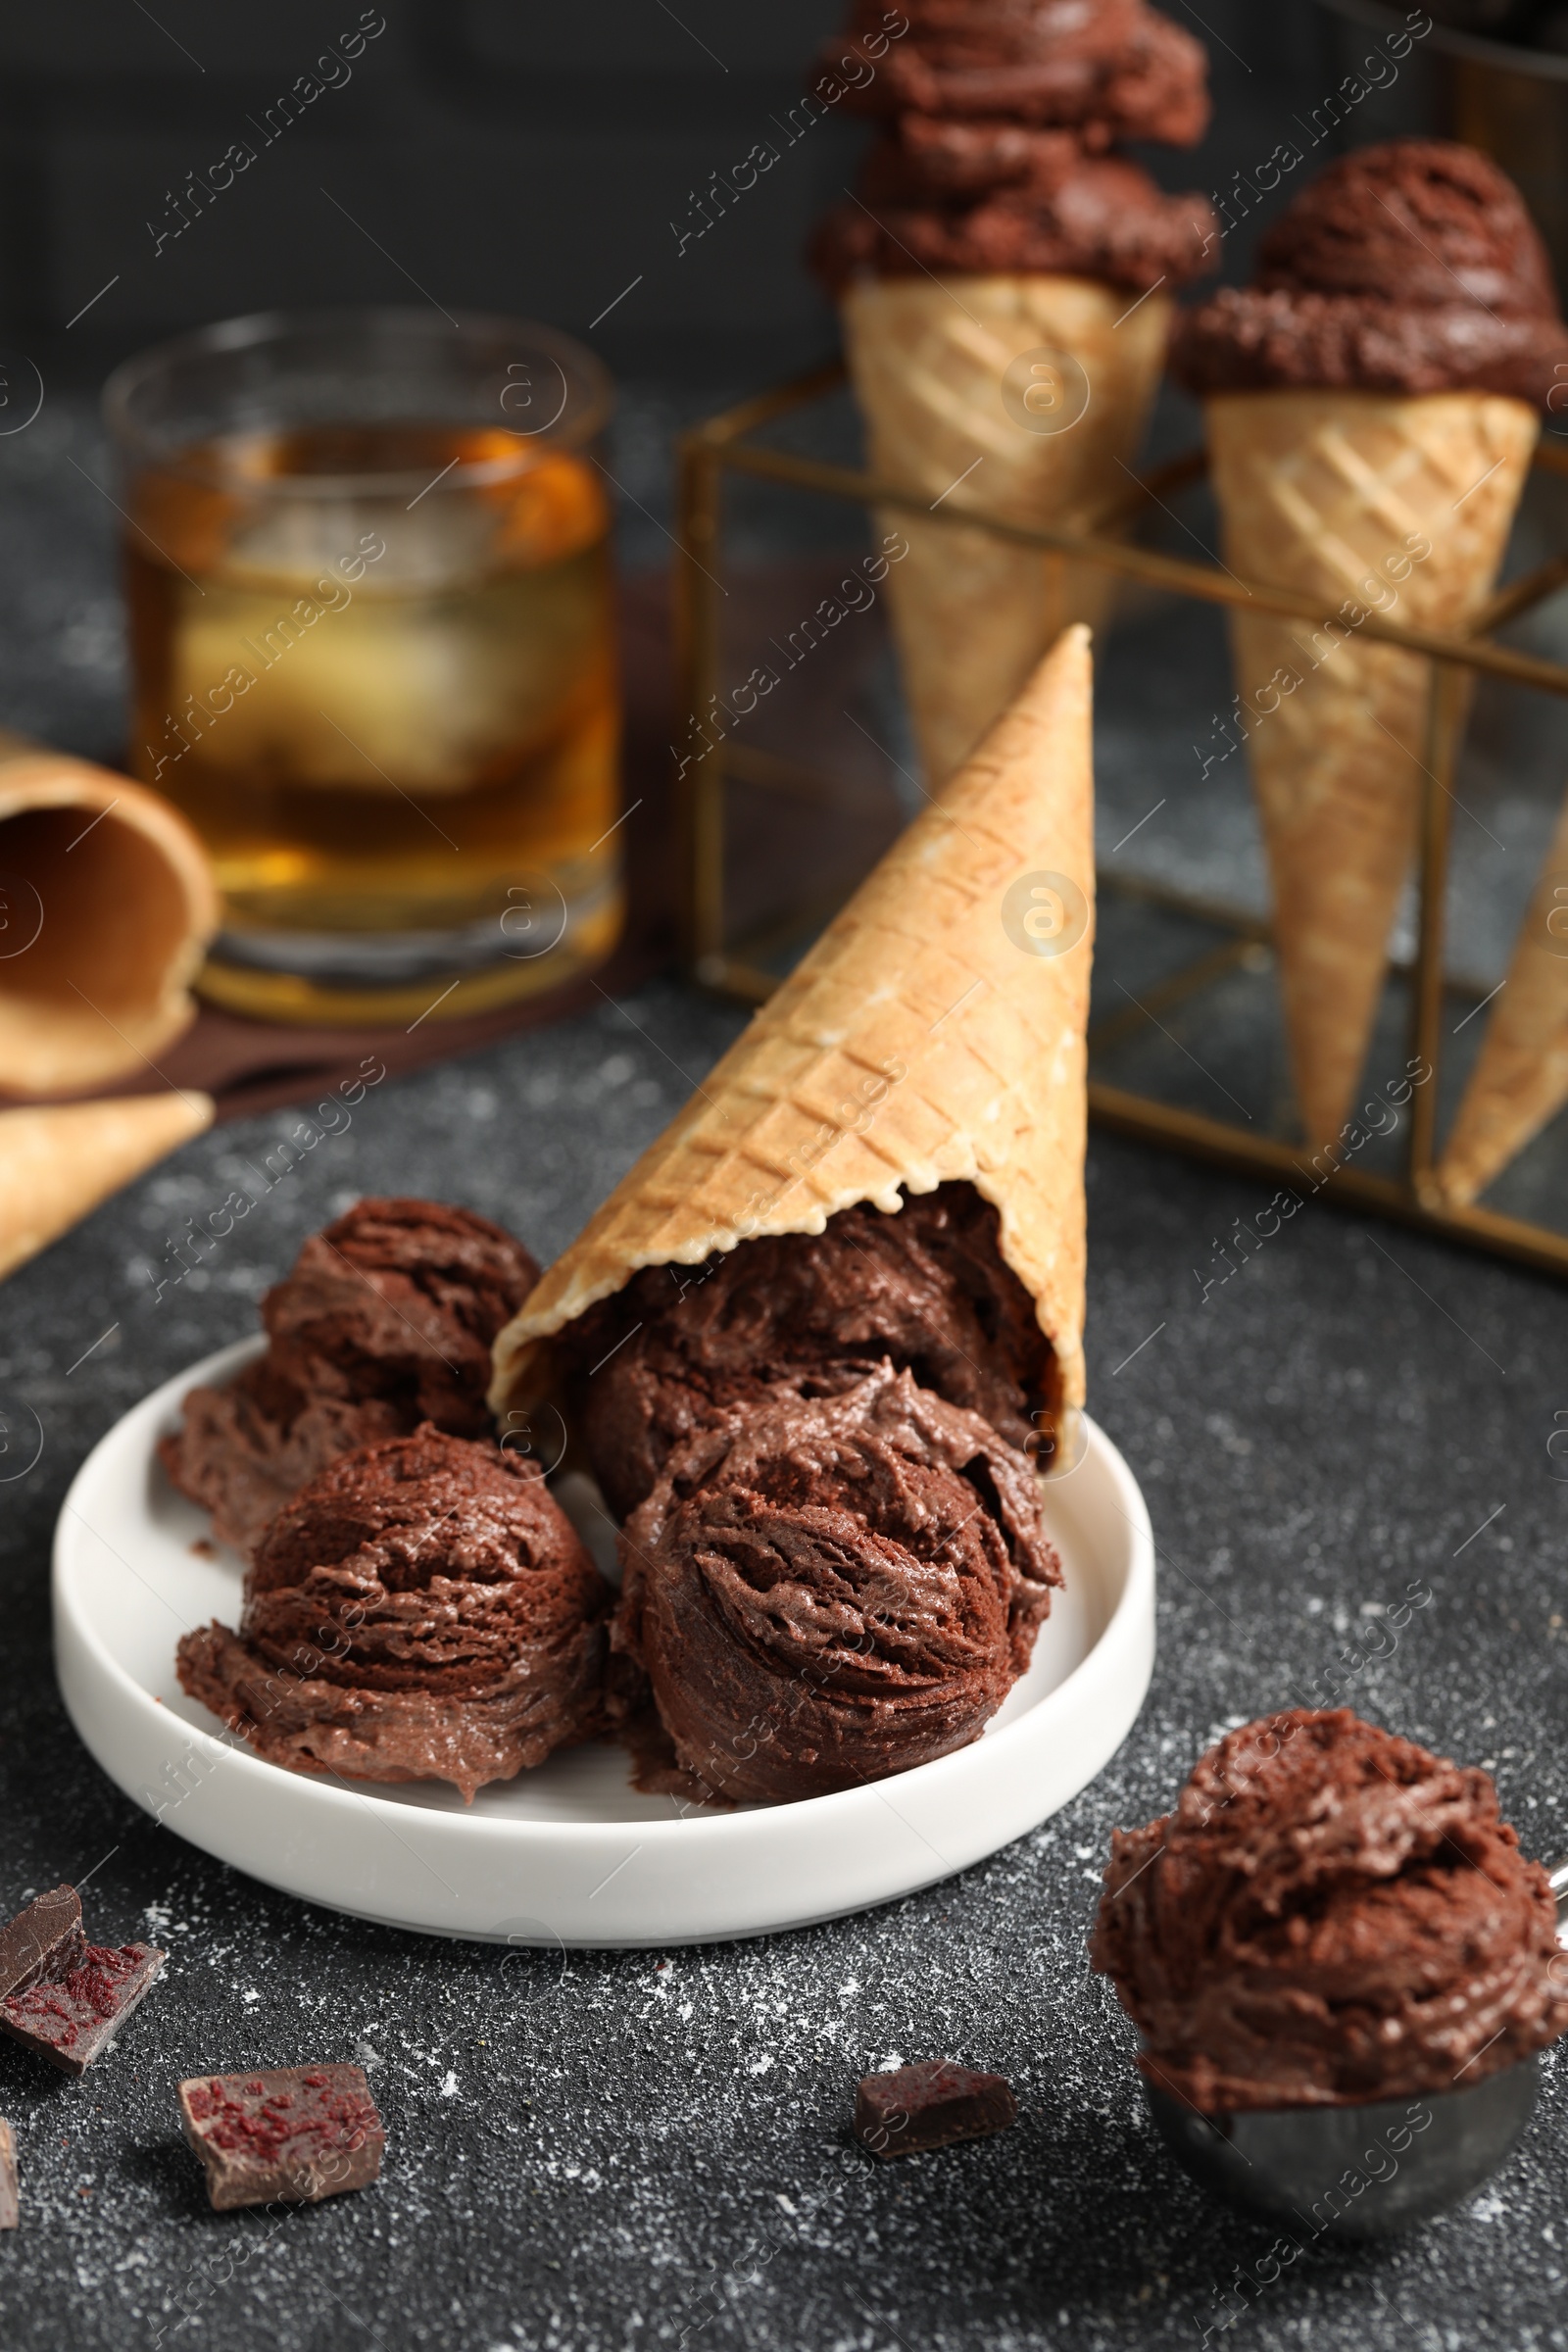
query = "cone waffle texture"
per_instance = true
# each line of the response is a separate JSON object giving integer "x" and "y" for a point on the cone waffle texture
{"x": 1521, "y": 1077}
{"x": 1337, "y": 493}
{"x": 971, "y": 614}
{"x": 58, "y": 1163}
{"x": 930, "y": 1035}
{"x": 109, "y": 903}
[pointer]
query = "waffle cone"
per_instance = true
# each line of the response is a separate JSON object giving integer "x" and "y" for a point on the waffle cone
{"x": 107, "y": 904}
{"x": 58, "y": 1163}
{"x": 1335, "y": 493}
{"x": 972, "y": 615}
{"x": 1521, "y": 1076}
{"x": 929, "y": 1036}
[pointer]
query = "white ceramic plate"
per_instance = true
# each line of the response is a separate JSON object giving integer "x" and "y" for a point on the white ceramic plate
{"x": 569, "y": 1854}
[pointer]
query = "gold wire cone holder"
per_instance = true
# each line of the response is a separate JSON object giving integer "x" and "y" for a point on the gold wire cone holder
{"x": 724, "y": 447}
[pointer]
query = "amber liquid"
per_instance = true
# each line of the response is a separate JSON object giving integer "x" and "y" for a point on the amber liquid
{"x": 393, "y": 717}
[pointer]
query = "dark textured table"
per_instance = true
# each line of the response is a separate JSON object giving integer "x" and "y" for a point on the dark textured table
{"x": 636, "y": 2149}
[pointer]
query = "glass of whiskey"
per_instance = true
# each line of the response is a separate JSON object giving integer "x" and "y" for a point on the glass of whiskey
{"x": 367, "y": 564}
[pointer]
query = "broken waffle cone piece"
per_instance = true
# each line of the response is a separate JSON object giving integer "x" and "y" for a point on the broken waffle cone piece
{"x": 934, "y": 1033}
{"x": 58, "y": 1163}
{"x": 930, "y": 361}
{"x": 1371, "y": 502}
{"x": 107, "y": 904}
{"x": 1520, "y": 1080}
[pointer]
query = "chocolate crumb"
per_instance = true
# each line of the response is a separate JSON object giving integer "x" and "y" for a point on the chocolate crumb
{"x": 930, "y": 2105}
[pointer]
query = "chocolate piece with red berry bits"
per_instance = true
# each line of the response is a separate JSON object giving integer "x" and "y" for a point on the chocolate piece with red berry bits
{"x": 291, "y": 2135}
{"x": 10, "y": 2198}
{"x": 930, "y": 2105}
{"x": 46, "y": 1935}
{"x": 59, "y": 1996}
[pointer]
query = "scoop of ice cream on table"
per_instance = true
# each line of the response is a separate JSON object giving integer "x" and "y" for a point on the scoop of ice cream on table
{"x": 1330, "y": 1916}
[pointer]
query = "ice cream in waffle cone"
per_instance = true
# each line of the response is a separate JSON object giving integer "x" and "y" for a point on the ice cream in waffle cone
{"x": 1005, "y": 290}
{"x": 812, "y": 1342}
{"x": 928, "y": 357}
{"x": 933, "y": 1036}
{"x": 1520, "y": 1080}
{"x": 1356, "y": 498}
{"x": 1373, "y": 406}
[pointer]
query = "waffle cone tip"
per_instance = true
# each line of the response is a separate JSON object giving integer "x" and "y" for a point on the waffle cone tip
{"x": 59, "y": 1163}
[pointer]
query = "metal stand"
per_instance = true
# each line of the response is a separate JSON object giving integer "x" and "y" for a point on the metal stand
{"x": 722, "y": 446}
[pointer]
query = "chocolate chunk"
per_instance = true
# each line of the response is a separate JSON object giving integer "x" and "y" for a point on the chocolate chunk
{"x": 61, "y": 1996}
{"x": 44, "y": 1939}
{"x": 930, "y": 2105}
{"x": 10, "y": 2198}
{"x": 71, "y": 2011}
{"x": 290, "y": 2135}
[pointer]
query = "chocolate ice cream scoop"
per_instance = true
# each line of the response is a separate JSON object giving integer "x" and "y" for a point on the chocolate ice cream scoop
{"x": 1331, "y": 1916}
{"x": 926, "y": 1288}
{"x": 401, "y": 1299}
{"x": 422, "y": 1610}
{"x": 992, "y": 160}
{"x": 826, "y": 1591}
{"x": 1411, "y": 266}
{"x": 1412, "y": 220}
{"x": 1077, "y": 216}
{"x": 386, "y": 1321}
{"x": 1114, "y": 70}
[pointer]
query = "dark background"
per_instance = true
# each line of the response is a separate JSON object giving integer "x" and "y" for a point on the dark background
{"x": 514, "y": 155}
{"x": 509, "y": 155}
